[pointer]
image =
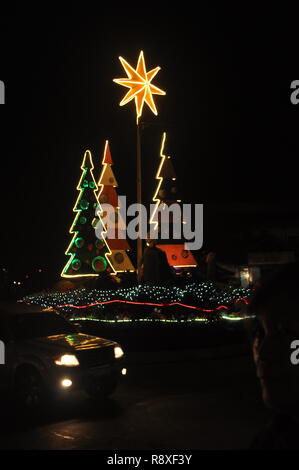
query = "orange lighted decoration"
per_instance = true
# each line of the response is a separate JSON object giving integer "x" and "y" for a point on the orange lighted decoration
{"x": 178, "y": 256}
{"x": 107, "y": 194}
{"x": 139, "y": 82}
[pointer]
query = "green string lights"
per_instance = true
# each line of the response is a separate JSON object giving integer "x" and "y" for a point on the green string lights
{"x": 193, "y": 302}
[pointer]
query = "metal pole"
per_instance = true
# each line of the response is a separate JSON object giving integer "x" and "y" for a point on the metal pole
{"x": 139, "y": 200}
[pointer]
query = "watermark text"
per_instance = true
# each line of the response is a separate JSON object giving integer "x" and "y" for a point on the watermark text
{"x": 2, "y": 353}
{"x": 295, "y": 354}
{"x": 2, "y": 92}
{"x": 162, "y": 222}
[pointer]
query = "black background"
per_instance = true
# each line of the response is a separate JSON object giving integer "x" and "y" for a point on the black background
{"x": 233, "y": 132}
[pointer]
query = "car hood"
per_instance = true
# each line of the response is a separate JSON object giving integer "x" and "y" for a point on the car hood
{"x": 75, "y": 341}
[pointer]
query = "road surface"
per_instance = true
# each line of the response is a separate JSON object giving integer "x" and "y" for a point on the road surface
{"x": 208, "y": 403}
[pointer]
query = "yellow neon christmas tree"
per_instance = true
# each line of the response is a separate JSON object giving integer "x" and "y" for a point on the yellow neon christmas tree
{"x": 166, "y": 194}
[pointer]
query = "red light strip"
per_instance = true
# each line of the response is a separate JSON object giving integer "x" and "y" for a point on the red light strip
{"x": 242, "y": 299}
{"x": 144, "y": 303}
{"x": 139, "y": 303}
{"x": 79, "y": 307}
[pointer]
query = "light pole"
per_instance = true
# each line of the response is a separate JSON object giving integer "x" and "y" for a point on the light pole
{"x": 139, "y": 198}
{"x": 141, "y": 90}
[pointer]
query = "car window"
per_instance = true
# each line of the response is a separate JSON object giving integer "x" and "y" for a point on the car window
{"x": 39, "y": 325}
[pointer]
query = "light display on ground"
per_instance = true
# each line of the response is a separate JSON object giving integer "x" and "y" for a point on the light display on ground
{"x": 193, "y": 302}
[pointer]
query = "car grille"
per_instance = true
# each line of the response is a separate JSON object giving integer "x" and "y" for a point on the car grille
{"x": 95, "y": 357}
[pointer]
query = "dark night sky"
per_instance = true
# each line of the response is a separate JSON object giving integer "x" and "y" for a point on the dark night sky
{"x": 233, "y": 133}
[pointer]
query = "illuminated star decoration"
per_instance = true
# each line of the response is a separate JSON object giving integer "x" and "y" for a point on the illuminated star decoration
{"x": 140, "y": 85}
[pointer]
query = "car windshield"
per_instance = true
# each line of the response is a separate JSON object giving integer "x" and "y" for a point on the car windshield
{"x": 39, "y": 325}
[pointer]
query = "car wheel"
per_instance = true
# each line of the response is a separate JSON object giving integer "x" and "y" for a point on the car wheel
{"x": 101, "y": 390}
{"x": 29, "y": 389}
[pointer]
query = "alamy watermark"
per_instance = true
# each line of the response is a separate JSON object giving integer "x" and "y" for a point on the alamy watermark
{"x": 176, "y": 221}
{"x": 2, "y": 92}
{"x": 295, "y": 354}
{"x": 294, "y": 96}
{"x": 2, "y": 353}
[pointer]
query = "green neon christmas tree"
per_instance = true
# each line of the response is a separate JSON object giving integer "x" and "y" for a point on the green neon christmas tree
{"x": 88, "y": 254}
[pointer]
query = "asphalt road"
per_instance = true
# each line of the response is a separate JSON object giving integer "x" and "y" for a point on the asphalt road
{"x": 208, "y": 403}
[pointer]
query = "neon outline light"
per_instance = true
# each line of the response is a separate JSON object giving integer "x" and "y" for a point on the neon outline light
{"x": 156, "y": 198}
{"x": 160, "y": 178}
{"x": 101, "y": 186}
{"x": 78, "y": 213}
{"x": 139, "y": 82}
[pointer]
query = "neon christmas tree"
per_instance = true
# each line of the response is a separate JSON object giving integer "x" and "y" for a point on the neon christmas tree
{"x": 168, "y": 193}
{"x": 88, "y": 255}
{"x": 108, "y": 195}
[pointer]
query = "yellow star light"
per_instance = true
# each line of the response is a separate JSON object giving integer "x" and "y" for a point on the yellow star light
{"x": 139, "y": 82}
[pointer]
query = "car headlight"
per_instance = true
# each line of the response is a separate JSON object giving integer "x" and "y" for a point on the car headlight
{"x": 118, "y": 352}
{"x": 69, "y": 360}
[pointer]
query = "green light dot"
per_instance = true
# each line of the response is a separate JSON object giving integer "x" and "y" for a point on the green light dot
{"x": 76, "y": 264}
{"x": 79, "y": 242}
{"x": 84, "y": 204}
{"x": 99, "y": 264}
